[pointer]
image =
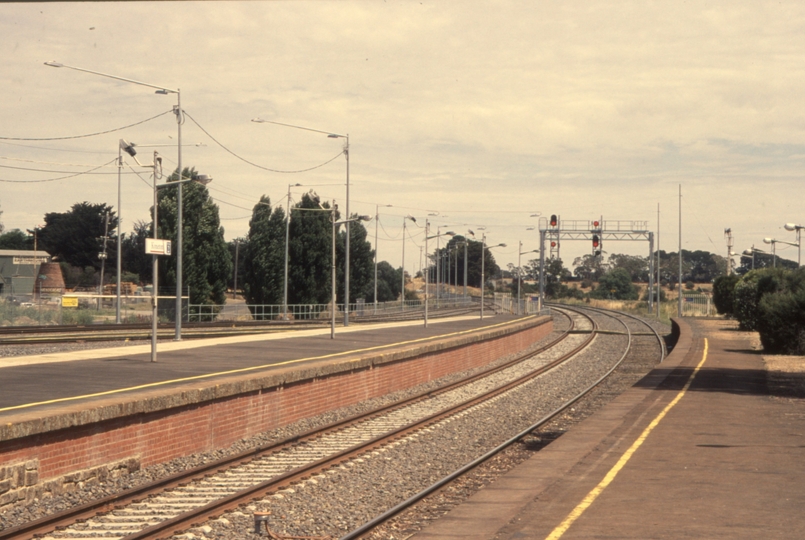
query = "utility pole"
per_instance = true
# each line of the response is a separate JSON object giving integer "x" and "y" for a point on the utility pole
{"x": 728, "y": 236}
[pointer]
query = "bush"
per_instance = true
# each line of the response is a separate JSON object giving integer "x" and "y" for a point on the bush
{"x": 748, "y": 292}
{"x": 723, "y": 289}
{"x": 689, "y": 285}
{"x": 615, "y": 285}
{"x": 782, "y": 322}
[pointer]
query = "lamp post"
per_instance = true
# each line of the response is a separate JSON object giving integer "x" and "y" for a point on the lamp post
{"x": 377, "y": 222}
{"x": 331, "y": 135}
{"x": 751, "y": 252}
{"x": 519, "y": 256}
{"x": 332, "y": 275}
{"x": 483, "y": 256}
{"x": 178, "y": 112}
{"x": 402, "y": 266}
{"x": 427, "y": 271}
{"x": 466, "y": 242}
{"x": 798, "y": 229}
{"x": 774, "y": 242}
{"x": 157, "y": 168}
{"x": 287, "y": 235}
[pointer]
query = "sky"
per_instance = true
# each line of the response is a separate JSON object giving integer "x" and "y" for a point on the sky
{"x": 473, "y": 115}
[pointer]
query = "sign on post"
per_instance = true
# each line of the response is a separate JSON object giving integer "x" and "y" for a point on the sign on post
{"x": 69, "y": 301}
{"x": 155, "y": 246}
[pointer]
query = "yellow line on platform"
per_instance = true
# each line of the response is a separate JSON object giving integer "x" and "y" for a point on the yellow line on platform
{"x": 597, "y": 490}
{"x": 252, "y": 368}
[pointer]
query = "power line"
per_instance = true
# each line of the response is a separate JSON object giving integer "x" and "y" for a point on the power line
{"x": 255, "y": 164}
{"x": 54, "y": 179}
{"x": 87, "y": 135}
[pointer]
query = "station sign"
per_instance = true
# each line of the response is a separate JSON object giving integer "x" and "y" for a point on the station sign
{"x": 154, "y": 246}
{"x": 69, "y": 301}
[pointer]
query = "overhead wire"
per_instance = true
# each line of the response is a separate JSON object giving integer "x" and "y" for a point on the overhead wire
{"x": 216, "y": 141}
{"x": 55, "y": 179}
{"x": 86, "y": 135}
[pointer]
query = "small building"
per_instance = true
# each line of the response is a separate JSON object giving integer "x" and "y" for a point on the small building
{"x": 19, "y": 270}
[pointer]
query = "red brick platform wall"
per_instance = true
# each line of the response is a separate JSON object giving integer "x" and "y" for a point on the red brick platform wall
{"x": 156, "y": 437}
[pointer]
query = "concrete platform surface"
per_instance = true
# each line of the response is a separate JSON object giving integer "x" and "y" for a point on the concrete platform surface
{"x": 39, "y": 382}
{"x": 702, "y": 447}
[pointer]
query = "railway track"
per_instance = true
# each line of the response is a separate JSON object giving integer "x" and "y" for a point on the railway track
{"x": 632, "y": 326}
{"x": 179, "y": 502}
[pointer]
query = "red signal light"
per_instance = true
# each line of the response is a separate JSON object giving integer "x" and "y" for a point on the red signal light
{"x": 596, "y": 241}
{"x": 595, "y": 224}
{"x": 553, "y": 244}
{"x": 554, "y": 220}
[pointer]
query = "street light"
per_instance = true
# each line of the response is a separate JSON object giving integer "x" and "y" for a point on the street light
{"x": 774, "y": 243}
{"x": 519, "y": 256}
{"x": 402, "y": 266}
{"x": 377, "y": 222}
{"x": 751, "y": 252}
{"x": 287, "y": 231}
{"x": 331, "y": 135}
{"x": 483, "y": 256}
{"x": 178, "y": 112}
{"x": 157, "y": 173}
{"x": 332, "y": 277}
{"x": 798, "y": 229}
{"x": 427, "y": 271}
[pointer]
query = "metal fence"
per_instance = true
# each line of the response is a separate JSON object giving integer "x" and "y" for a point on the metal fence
{"x": 313, "y": 312}
{"x": 87, "y": 308}
{"x": 698, "y": 305}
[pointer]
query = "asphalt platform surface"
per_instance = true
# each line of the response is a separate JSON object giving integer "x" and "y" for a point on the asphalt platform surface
{"x": 38, "y": 380}
{"x": 703, "y": 447}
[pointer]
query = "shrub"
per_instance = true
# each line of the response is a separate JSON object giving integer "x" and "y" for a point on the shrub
{"x": 749, "y": 291}
{"x": 689, "y": 285}
{"x": 723, "y": 289}
{"x": 615, "y": 285}
{"x": 782, "y": 322}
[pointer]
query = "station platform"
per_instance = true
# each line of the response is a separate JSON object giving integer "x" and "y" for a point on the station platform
{"x": 49, "y": 381}
{"x": 702, "y": 447}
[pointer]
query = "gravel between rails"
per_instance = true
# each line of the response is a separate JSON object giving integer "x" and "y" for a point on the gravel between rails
{"x": 39, "y": 508}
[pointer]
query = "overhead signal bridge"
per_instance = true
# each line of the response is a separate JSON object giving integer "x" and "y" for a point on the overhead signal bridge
{"x": 594, "y": 231}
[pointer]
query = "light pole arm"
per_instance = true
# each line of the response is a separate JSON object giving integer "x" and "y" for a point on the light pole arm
{"x": 163, "y": 88}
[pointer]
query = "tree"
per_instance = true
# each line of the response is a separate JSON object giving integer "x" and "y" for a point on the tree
{"x": 264, "y": 257}
{"x": 723, "y": 288}
{"x": 74, "y": 236}
{"x": 474, "y": 247}
{"x": 615, "y": 285}
{"x": 205, "y": 258}
{"x": 16, "y": 239}
{"x": 134, "y": 257}
{"x": 636, "y": 266}
{"x": 361, "y": 263}
{"x": 310, "y": 252}
{"x": 589, "y": 267}
{"x": 389, "y": 281}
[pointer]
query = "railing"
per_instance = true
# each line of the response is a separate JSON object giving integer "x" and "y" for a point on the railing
{"x": 321, "y": 312}
{"x": 85, "y": 309}
{"x": 697, "y": 305}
